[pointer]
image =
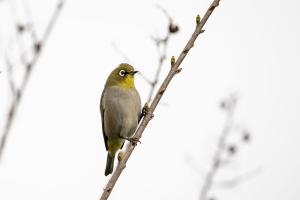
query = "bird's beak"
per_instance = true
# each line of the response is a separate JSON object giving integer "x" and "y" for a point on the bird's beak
{"x": 134, "y": 72}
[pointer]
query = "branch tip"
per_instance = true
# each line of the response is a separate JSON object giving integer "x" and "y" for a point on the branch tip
{"x": 198, "y": 19}
{"x": 173, "y": 28}
{"x": 20, "y": 28}
{"x": 172, "y": 61}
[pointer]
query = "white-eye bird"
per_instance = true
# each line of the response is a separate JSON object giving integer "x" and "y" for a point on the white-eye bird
{"x": 120, "y": 108}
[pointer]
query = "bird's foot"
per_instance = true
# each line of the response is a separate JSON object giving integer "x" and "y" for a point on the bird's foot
{"x": 121, "y": 156}
{"x": 145, "y": 112}
{"x": 132, "y": 140}
{"x": 145, "y": 109}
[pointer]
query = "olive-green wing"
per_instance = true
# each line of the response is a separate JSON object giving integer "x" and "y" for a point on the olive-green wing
{"x": 102, "y": 111}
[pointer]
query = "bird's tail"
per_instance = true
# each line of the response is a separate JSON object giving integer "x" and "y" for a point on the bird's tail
{"x": 109, "y": 164}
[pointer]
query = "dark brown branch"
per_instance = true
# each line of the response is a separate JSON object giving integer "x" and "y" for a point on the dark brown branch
{"x": 29, "y": 67}
{"x": 130, "y": 147}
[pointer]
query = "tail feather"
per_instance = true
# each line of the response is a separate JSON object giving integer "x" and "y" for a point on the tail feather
{"x": 109, "y": 164}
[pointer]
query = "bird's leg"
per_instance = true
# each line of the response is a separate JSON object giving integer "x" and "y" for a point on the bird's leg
{"x": 145, "y": 111}
{"x": 133, "y": 140}
{"x": 121, "y": 156}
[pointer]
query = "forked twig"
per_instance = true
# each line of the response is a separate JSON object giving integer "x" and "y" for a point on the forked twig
{"x": 38, "y": 46}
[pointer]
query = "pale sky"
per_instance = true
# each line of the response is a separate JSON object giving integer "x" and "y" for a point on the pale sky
{"x": 56, "y": 150}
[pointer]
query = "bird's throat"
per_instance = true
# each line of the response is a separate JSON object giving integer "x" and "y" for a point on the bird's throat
{"x": 127, "y": 82}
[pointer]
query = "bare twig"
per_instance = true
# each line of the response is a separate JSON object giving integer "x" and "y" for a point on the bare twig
{"x": 20, "y": 28}
{"x": 229, "y": 107}
{"x": 224, "y": 152}
{"x": 30, "y": 24}
{"x": 161, "y": 47}
{"x": 161, "y": 59}
{"x": 11, "y": 82}
{"x": 173, "y": 71}
{"x": 29, "y": 67}
{"x": 164, "y": 11}
{"x": 241, "y": 178}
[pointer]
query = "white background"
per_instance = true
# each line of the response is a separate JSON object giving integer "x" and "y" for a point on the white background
{"x": 56, "y": 151}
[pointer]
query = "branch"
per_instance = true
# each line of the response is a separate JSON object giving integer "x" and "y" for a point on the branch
{"x": 161, "y": 59}
{"x": 241, "y": 178}
{"x": 173, "y": 71}
{"x": 29, "y": 67}
{"x": 162, "y": 52}
{"x": 30, "y": 24}
{"x": 11, "y": 82}
{"x": 229, "y": 107}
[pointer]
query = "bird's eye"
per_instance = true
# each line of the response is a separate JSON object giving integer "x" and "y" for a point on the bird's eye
{"x": 122, "y": 72}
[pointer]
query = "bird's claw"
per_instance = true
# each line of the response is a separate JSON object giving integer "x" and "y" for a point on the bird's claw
{"x": 145, "y": 109}
{"x": 133, "y": 140}
{"x": 121, "y": 156}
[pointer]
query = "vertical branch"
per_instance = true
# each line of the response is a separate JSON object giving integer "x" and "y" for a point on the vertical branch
{"x": 173, "y": 71}
{"x": 161, "y": 59}
{"x": 161, "y": 46}
{"x": 218, "y": 160}
{"x": 29, "y": 67}
{"x": 11, "y": 82}
{"x": 229, "y": 107}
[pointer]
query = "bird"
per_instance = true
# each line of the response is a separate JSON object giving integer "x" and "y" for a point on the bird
{"x": 120, "y": 108}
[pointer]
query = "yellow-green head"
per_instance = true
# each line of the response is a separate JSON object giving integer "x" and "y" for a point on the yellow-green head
{"x": 122, "y": 76}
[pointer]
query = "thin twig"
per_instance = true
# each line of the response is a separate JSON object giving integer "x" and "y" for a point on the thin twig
{"x": 161, "y": 59}
{"x": 30, "y": 23}
{"x": 173, "y": 71}
{"x": 29, "y": 67}
{"x": 241, "y": 178}
{"x": 10, "y": 75}
{"x": 164, "y": 12}
{"x": 216, "y": 162}
{"x": 20, "y": 29}
{"x": 161, "y": 47}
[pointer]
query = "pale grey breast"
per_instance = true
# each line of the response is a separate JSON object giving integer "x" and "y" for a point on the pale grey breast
{"x": 122, "y": 108}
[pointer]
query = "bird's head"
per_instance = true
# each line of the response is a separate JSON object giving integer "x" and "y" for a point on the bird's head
{"x": 122, "y": 76}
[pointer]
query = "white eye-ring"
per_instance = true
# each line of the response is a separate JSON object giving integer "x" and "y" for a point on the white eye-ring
{"x": 122, "y": 72}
